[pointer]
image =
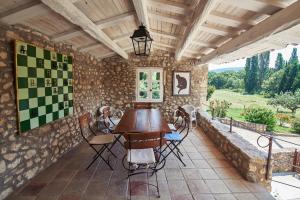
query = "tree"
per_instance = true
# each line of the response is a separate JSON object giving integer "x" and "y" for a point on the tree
{"x": 210, "y": 90}
{"x": 287, "y": 100}
{"x": 294, "y": 57}
{"x": 280, "y": 62}
{"x": 271, "y": 86}
{"x": 247, "y": 75}
{"x": 253, "y": 75}
{"x": 263, "y": 61}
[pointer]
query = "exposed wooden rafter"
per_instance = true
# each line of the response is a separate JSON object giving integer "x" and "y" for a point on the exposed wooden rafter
{"x": 69, "y": 11}
{"x": 141, "y": 11}
{"x": 101, "y": 24}
{"x": 201, "y": 13}
{"x": 277, "y": 23}
{"x": 167, "y": 18}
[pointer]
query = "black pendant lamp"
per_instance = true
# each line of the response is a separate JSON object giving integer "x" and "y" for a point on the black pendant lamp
{"x": 141, "y": 41}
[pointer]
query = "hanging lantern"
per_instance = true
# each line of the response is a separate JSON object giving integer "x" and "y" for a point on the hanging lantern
{"x": 141, "y": 41}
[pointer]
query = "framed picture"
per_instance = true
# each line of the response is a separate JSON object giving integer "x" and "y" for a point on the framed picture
{"x": 181, "y": 83}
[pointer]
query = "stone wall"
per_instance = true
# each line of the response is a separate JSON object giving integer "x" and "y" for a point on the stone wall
{"x": 96, "y": 82}
{"x": 260, "y": 128}
{"x": 121, "y": 75}
{"x": 246, "y": 158}
{"x": 283, "y": 160}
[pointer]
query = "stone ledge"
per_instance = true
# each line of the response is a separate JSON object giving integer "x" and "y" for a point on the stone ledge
{"x": 250, "y": 162}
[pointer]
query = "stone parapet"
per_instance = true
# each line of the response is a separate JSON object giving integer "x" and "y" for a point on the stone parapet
{"x": 260, "y": 128}
{"x": 245, "y": 157}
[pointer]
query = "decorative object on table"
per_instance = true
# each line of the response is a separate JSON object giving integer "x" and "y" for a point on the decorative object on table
{"x": 141, "y": 41}
{"x": 181, "y": 83}
{"x": 44, "y": 91}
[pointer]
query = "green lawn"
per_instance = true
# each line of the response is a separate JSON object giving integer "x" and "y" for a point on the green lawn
{"x": 239, "y": 101}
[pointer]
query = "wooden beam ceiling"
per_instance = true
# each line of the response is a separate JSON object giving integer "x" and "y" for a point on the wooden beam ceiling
{"x": 69, "y": 11}
{"x": 170, "y": 6}
{"x": 201, "y": 13}
{"x": 141, "y": 11}
{"x": 101, "y": 24}
{"x": 276, "y": 23}
{"x": 23, "y": 12}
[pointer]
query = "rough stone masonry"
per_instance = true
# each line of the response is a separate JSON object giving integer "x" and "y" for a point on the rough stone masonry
{"x": 96, "y": 82}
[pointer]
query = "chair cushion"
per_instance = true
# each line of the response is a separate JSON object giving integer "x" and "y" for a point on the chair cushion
{"x": 141, "y": 156}
{"x": 173, "y": 136}
{"x": 102, "y": 139}
{"x": 172, "y": 127}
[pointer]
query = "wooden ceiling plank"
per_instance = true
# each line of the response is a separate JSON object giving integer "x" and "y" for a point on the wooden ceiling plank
{"x": 276, "y": 3}
{"x": 23, "y": 12}
{"x": 90, "y": 47}
{"x": 202, "y": 11}
{"x": 69, "y": 11}
{"x": 115, "y": 20}
{"x": 170, "y": 6}
{"x": 280, "y": 21}
{"x": 165, "y": 35}
{"x": 167, "y": 18}
{"x": 67, "y": 35}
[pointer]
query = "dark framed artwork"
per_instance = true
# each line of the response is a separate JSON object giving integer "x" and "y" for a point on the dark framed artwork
{"x": 181, "y": 83}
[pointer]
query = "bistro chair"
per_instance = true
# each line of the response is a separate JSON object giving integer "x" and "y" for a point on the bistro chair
{"x": 109, "y": 118}
{"x": 175, "y": 138}
{"x": 191, "y": 110}
{"x": 177, "y": 119}
{"x": 143, "y": 155}
{"x": 104, "y": 141}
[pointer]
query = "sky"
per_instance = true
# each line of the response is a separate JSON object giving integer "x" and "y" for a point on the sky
{"x": 286, "y": 52}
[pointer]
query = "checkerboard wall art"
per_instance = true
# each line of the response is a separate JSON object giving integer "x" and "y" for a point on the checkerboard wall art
{"x": 44, "y": 85}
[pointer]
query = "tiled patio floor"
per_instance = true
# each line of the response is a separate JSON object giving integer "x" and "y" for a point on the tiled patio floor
{"x": 207, "y": 176}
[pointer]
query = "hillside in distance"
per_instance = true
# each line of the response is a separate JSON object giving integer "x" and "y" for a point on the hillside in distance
{"x": 228, "y": 69}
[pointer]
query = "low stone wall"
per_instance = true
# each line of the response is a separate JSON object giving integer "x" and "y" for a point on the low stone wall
{"x": 260, "y": 128}
{"x": 250, "y": 162}
{"x": 283, "y": 160}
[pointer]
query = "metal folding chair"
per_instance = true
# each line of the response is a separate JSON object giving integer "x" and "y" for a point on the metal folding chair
{"x": 110, "y": 120}
{"x": 143, "y": 153}
{"x": 174, "y": 139}
{"x": 105, "y": 141}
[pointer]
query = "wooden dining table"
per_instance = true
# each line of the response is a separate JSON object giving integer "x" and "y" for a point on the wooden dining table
{"x": 142, "y": 120}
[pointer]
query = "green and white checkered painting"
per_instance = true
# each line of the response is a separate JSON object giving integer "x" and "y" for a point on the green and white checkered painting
{"x": 44, "y": 82}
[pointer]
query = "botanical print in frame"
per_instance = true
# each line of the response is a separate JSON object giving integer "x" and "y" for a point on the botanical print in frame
{"x": 181, "y": 83}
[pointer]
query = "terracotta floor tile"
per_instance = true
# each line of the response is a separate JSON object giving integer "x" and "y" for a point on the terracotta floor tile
{"x": 190, "y": 174}
{"x": 245, "y": 196}
{"x": 227, "y": 173}
{"x": 32, "y": 189}
{"x": 217, "y": 186}
{"x": 174, "y": 174}
{"x": 203, "y": 196}
{"x": 208, "y": 174}
{"x": 178, "y": 187}
{"x": 217, "y": 163}
{"x": 236, "y": 186}
{"x": 224, "y": 197}
{"x": 201, "y": 164}
{"x": 198, "y": 186}
{"x": 263, "y": 196}
{"x": 183, "y": 197}
{"x": 195, "y": 155}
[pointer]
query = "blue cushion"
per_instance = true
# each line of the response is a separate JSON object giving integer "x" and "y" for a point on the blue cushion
{"x": 173, "y": 136}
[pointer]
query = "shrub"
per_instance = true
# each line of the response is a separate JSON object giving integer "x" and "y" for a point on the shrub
{"x": 210, "y": 90}
{"x": 283, "y": 118}
{"x": 261, "y": 116}
{"x": 219, "y": 108}
{"x": 296, "y": 126}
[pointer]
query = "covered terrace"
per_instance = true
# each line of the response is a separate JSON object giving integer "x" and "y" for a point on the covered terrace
{"x": 61, "y": 59}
